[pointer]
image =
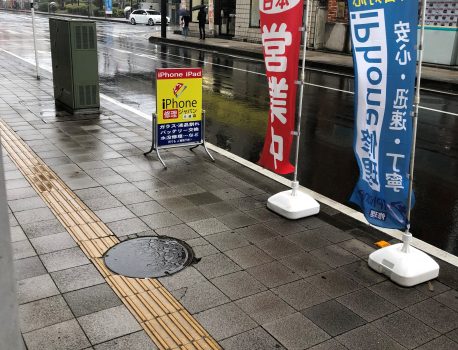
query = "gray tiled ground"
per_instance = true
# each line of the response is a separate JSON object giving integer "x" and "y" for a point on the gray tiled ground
{"x": 133, "y": 341}
{"x": 405, "y": 329}
{"x": 91, "y": 299}
{"x": 76, "y": 278}
{"x": 238, "y": 285}
{"x": 265, "y": 307}
{"x": 200, "y": 296}
{"x": 435, "y": 315}
{"x": 367, "y": 304}
{"x": 66, "y": 335}
{"x": 225, "y": 321}
{"x": 35, "y": 288}
{"x": 304, "y": 281}
{"x": 216, "y": 265}
{"x": 273, "y": 274}
{"x": 301, "y": 294}
{"x": 249, "y": 256}
{"x": 64, "y": 259}
{"x": 255, "y": 339}
{"x": 296, "y": 332}
{"x": 108, "y": 324}
{"x": 42, "y": 313}
{"x": 368, "y": 337}
{"x": 333, "y": 317}
{"x": 28, "y": 267}
{"x": 52, "y": 243}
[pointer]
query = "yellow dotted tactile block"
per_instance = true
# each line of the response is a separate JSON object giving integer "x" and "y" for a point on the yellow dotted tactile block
{"x": 164, "y": 319}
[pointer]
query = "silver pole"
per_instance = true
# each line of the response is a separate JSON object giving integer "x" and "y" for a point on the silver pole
{"x": 37, "y": 67}
{"x": 10, "y": 337}
{"x": 407, "y": 236}
{"x": 297, "y": 133}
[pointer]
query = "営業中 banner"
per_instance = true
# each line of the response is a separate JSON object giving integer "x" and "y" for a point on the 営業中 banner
{"x": 281, "y": 40}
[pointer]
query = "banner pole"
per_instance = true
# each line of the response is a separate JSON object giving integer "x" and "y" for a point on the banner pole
{"x": 37, "y": 67}
{"x": 297, "y": 133}
{"x": 295, "y": 204}
{"x": 403, "y": 264}
{"x": 407, "y": 236}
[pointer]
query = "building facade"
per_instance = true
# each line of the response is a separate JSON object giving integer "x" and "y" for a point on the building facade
{"x": 239, "y": 19}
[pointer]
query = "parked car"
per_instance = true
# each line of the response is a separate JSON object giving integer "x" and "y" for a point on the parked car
{"x": 149, "y": 17}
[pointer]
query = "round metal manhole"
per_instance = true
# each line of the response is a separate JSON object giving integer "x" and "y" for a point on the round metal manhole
{"x": 149, "y": 257}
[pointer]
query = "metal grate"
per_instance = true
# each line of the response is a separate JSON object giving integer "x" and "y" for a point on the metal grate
{"x": 87, "y": 95}
{"x": 85, "y": 38}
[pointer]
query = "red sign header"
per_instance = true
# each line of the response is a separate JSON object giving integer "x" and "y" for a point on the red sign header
{"x": 179, "y": 73}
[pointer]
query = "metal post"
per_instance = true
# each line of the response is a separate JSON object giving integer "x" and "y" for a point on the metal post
{"x": 163, "y": 19}
{"x": 297, "y": 133}
{"x": 10, "y": 337}
{"x": 37, "y": 67}
{"x": 407, "y": 236}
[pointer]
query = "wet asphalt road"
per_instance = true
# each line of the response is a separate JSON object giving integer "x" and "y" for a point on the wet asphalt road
{"x": 236, "y": 100}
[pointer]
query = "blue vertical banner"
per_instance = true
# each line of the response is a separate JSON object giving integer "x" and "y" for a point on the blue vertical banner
{"x": 384, "y": 38}
{"x": 108, "y": 7}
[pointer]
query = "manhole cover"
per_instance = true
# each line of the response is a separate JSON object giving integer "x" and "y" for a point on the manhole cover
{"x": 149, "y": 257}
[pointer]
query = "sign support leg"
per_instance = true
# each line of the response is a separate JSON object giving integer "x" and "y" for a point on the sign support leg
{"x": 294, "y": 204}
{"x": 203, "y": 138}
{"x": 403, "y": 263}
{"x": 154, "y": 142}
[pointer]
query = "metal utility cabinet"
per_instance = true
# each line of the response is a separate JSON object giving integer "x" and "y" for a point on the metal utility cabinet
{"x": 74, "y": 63}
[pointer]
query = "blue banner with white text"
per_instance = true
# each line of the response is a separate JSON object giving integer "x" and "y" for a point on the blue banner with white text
{"x": 384, "y": 37}
{"x": 108, "y": 7}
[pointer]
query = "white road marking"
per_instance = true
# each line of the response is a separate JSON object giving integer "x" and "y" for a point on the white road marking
{"x": 123, "y": 51}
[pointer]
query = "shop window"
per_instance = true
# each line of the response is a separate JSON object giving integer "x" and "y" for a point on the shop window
{"x": 254, "y": 14}
{"x": 194, "y": 5}
{"x": 341, "y": 9}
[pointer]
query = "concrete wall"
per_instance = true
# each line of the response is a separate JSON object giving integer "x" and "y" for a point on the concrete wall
{"x": 337, "y": 37}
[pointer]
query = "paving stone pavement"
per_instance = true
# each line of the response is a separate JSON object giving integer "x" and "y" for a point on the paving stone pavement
{"x": 263, "y": 282}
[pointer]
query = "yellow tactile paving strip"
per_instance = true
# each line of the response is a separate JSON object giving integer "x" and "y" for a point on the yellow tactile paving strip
{"x": 165, "y": 320}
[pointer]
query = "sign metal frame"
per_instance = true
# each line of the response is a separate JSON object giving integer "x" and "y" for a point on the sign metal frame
{"x": 156, "y": 147}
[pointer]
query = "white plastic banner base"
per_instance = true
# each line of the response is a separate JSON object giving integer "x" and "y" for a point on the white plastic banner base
{"x": 292, "y": 206}
{"x": 404, "y": 268}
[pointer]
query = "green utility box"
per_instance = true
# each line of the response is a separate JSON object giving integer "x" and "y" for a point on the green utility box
{"x": 74, "y": 64}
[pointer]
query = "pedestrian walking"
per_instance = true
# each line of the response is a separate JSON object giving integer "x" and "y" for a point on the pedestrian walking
{"x": 201, "y": 17}
{"x": 185, "y": 19}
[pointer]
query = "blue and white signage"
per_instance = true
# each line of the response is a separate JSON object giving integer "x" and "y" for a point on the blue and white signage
{"x": 108, "y": 7}
{"x": 384, "y": 36}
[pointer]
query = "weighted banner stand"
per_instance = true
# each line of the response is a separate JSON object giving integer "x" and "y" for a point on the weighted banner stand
{"x": 156, "y": 147}
{"x": 401, "y": 262}
{"x": 294, "y": 204}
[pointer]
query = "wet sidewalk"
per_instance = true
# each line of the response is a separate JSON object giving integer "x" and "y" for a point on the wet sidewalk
{"x": 263, "y": 282}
